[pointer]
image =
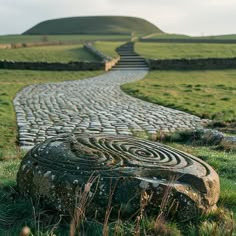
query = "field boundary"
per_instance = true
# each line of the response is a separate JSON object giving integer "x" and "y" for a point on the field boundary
{"x": 109, "y": 61}
{"x": 106, "y": 62}
{"x": 192, "y": 64}
{"x": 52, "y": 66}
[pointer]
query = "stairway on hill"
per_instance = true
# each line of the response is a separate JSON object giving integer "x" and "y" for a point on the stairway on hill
{"x": 129, "y": 59}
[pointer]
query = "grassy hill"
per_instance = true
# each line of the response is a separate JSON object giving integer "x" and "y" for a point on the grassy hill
{"x": 94, "y": 25}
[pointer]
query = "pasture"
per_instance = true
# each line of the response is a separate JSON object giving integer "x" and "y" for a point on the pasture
{"x": 187, "y": 51}
{"x": 59, "y": 53}
{"x": 208, "y": 94}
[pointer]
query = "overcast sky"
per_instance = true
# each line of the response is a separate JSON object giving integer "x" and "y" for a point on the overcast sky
{"x": 192, "y": 17}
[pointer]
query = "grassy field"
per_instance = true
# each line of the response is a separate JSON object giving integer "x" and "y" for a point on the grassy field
{"x": 20, "y": 212}
{"x": 181, "y": 50}
{"x": 60, "y": 53}
{"x": 208, "y": 94}
{"x": 108, "y": 48}
{"x": 10, "y": 83}
{"x": 59, "y": 38}
{"x": 17, "y": 211}
{"x": 94, "y": 25}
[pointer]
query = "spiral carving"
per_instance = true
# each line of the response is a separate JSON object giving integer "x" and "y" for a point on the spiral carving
{"x": 107, "y": 153}
{"x": 144, "y": 164}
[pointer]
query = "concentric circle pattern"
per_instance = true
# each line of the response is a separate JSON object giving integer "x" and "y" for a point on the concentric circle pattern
{"x": 58, "y": 167}
{"x": 106, "y": 154}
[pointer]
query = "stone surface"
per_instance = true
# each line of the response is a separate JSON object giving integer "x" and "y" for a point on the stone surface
{"x": 192, "y": 64}
{"x": 62, "y": 169}
{"x": 229, "y": 143}
{"x": 208, "y": 136}
{"x": 94, "y": 105}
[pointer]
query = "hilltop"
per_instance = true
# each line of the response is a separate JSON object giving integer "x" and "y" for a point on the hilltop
{"x": 94, "y": 25}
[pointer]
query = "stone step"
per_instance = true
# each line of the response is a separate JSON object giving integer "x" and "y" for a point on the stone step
{"x": 125, "y": 49}
{"x": 130, "y": 65}
{"x": 132, "y": 62}
{"x": 132, "y": 58}
{"x": 129, "y": 59}
{"x": 131, "y": 68}
{"x": 128, "y": 55}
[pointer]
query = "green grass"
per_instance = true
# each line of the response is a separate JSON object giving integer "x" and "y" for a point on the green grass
{"x": 108, "y": 48}
{"x": 8, "y": 39}
{"x": 94, "y": 25}
{"x": 17, "y": 211}
{"x": 208, "y": 94}
{"x": 224, "y": 164}
{"x": 10, "y": 83}
{"x": 61, "y": 53}
{"x": 182, "y": 50}
{"x": 14, "y": 208}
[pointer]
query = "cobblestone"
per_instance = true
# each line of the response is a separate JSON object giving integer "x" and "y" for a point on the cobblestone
{"x": 93, "y": 105}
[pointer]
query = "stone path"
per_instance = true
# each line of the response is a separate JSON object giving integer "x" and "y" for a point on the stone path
{"x": 95, "y": 105}
{"x": 98, "y": 107}
{"x": 129, "y": 59}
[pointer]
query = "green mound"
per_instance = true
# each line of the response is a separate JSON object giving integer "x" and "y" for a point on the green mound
{"x": 94, "y": 25}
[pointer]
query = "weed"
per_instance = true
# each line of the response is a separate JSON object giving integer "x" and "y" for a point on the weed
{"x": 83, "y": 200}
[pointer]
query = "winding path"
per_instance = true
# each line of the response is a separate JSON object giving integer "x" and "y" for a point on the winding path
{"x": 94, "y": 105}
{"x": 57, "y": 168}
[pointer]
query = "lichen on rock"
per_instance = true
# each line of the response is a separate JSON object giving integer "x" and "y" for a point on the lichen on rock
{"x": 63, "y": 170}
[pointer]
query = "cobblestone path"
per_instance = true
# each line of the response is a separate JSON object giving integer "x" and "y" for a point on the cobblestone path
{"x": 94, "y": 105}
